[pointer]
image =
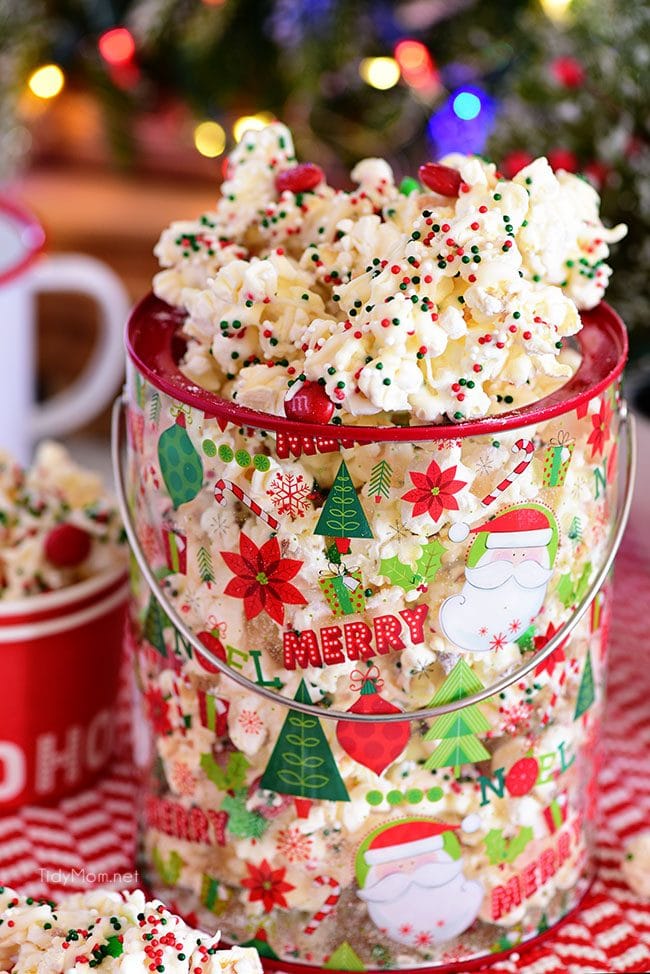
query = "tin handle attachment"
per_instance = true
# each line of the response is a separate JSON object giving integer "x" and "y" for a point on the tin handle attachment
{"x": 117, "y": 449}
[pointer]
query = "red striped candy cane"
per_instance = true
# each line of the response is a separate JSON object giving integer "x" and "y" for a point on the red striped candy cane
{"x": 529, "y": 449}
{"x": 176, "y": 693}
{"x": 328, "y": 905}
{"x": 222, "y": 485}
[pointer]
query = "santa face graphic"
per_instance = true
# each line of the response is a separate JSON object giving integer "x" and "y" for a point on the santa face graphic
{"x": 419, "y": 896}
{"x": 508, "y": 570}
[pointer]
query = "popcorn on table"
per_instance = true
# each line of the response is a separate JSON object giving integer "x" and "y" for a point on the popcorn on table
{"x": 58, "y": 525}
{"x": 433, "y": 306}
{"x": 116, "y": 932}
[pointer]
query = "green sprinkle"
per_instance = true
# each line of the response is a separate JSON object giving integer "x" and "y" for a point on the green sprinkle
{"x": 497, "y": 196}
{"x": 387, "y": 382}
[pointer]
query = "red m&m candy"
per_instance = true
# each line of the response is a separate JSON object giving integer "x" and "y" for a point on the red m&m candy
{"x": 441, "y": 179}
{"x": 311, "y": 403}
{"x": 300, "y": 178}
{"x": 66, "y": 545}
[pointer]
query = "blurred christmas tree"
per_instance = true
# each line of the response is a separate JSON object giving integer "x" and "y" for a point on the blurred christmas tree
{"x": 351, "y": 77}
{"x": 579, "y": 95}
{"x": 407, "y": 79}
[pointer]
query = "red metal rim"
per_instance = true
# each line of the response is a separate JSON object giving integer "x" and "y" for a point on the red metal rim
{"x": 154, "y": 346}
{"x": 32, "y": 234}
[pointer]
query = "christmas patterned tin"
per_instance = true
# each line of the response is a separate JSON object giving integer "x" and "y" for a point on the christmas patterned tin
{"x": 371, "y": 661}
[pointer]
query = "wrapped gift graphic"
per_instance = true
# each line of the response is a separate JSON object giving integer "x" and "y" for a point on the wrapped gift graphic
{"x": 175, "y": 550}
{"x": 344, "y": 593}
{"x": 214, "y": 895}
{"x": 555, "y": 814}
{"x": 557, "y": 458}
{"x": 213, "y": 712}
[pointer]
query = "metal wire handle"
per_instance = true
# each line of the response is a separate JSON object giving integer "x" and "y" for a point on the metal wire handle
{"x": 117, "y": 437}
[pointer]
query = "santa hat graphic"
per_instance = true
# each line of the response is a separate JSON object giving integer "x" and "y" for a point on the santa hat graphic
{"x": 416, "y": 837}
{"x": 520, "y": 526}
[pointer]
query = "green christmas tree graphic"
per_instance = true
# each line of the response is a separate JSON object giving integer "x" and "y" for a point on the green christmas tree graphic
{"x": 344, "y": 958}
{"x": 587, "y": 690}
{"x": 380, "y": 480}
{"x": 342, "y": 516}
{"x": 204, "y": 560}
{"x": 456, "y": 731}
{"x": 302, "y": 763}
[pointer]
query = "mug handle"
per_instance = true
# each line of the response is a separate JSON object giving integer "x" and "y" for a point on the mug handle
{"x": 95, "y": 387}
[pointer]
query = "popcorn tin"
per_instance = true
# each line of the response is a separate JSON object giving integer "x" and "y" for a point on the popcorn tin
{"x": 58, "y": 692}
{"x": 372, "y": 660}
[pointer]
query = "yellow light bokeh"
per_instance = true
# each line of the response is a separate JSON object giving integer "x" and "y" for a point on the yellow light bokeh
{"x": 247, "y": 122}
{"x": 210, "y": 139}
{"x": 380, "y": 72}
{"x": 557, "y": 10}
{"x": 46, "y": 81}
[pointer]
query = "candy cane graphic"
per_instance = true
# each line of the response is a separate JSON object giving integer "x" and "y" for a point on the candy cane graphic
{"x": 460, "y": 531}
{"x": 222, "y": 485}
{"x": 529, "y": 449}
{"x": 176, "y": 691}
{"x": 328, "y": 905}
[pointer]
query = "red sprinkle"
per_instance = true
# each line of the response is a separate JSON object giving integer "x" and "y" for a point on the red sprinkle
{"x": 482, "y": 209}
{"x": 512, "y": 328}
{"x": 474, "y": 226}
{"x": 395, "y": 269}
{"x": 477, "y": 368}
{"x": 527, "y": 335}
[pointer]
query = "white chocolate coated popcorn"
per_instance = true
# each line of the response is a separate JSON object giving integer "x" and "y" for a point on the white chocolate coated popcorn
{"x": 427, "y": 306}
{"x": 112, "y": 930}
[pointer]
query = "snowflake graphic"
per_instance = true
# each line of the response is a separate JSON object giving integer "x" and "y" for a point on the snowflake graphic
{"x": 514, "y": 626}
{"x": 182, "y": 779}
{"x": 399, "y": 533}
{"x": 516, "y": 717}
{"x": 498, "y": 641}
{"x": 250, "y": 721}
{"x": 483, "y": 631}
{"x": 405, "y": 928}
{"x": 294, "y": 845}
{"x": 423, "y": 939}
{"x": 485, "y": 464}
{"x": 290, "y": 494}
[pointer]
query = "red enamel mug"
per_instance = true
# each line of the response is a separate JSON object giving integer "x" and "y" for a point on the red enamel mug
{"x": 60, "y": 658}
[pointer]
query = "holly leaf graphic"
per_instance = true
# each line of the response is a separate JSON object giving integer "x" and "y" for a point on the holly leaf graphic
{"x": 399, "y": 573}
{"x": 241, "y": 822}
{"x": 583, "y": 582}
{"x": 499, "y": 850}
{"x": 230, "y": 778}
{"x": 430, "y": 561}
{"x": 565, "y": 591}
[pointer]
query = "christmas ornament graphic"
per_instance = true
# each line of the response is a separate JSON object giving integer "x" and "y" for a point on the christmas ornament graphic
{"x": 180, "y": 463}
{"x": 375, "y": 745}
{"x": 410, "y": 876}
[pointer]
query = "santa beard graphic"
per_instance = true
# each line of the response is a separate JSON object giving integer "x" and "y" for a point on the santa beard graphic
{"x": 501, "y": 596}
{"x": 428, "y": 905}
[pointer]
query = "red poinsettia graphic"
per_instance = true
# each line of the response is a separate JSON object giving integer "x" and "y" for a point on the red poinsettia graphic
{"x": 557, "y": 656}
{"x": 433, "y": 491}
{"x": 157, "y": 710}
{"x": 267, "y": 885}
{"x": 262, "y": 578}
{"x": 601, "y": 422}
